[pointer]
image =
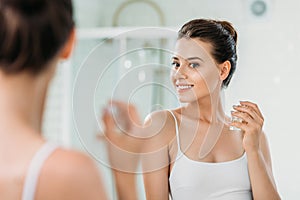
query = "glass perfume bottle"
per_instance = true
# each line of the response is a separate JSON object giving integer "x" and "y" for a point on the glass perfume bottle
{"x": 235, "y": 119}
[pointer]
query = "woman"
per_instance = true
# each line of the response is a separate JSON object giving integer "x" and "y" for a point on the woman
{"x": 191, "y": 152}
{"x": 35, "y": 35}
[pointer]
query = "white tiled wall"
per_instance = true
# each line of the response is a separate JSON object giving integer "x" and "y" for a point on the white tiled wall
{"x": 268, "y": 65}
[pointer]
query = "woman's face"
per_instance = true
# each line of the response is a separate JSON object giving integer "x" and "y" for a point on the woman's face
{"x": 194, "y": 74}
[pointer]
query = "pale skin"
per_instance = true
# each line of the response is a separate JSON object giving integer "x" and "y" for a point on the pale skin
{"x": 197, "y": 79}
{"x": 66, "y": 174}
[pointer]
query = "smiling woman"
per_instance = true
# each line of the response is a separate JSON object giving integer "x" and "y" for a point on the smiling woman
{"x": 190, "y": 151}
{"x": 193, "y": 67}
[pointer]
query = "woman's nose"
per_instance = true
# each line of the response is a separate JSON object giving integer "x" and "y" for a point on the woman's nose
{"x": 181, "y": 72}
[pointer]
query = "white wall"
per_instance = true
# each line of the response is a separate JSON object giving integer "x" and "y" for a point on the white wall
{"x": 267, "y": 72}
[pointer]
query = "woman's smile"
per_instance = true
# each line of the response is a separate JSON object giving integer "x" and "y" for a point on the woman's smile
{"x": 183, "y": 87}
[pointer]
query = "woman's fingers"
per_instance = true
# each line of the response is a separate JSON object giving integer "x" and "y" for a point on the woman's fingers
{"x": 246, "y": 118}
{"x": 250, "y": 115}
{"x": 240, "y": 125}
{"x": 126, "y": 110}
{"x": 110, "y": 127}
{"x": 121, "y": 117}
{"x": 250, "y": 112}
{"x": 253, "y": 106}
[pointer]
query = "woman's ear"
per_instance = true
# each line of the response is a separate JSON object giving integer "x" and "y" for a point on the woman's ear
{"x": 224, "y": 69}
{"x": 68, "y": 47}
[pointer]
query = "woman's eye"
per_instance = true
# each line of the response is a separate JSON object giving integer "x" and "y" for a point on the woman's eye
{"x": 175, "y": 64}
{"x": 194, "y": 65}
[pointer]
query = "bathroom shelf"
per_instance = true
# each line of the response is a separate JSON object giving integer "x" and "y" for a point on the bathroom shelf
{"x": 127, "y": 32}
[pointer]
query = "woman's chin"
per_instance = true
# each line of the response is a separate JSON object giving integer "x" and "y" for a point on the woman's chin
{"x": 186, "y": 99}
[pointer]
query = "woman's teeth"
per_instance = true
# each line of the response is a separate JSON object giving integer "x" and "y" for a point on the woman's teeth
{"x": 184, "y": 86}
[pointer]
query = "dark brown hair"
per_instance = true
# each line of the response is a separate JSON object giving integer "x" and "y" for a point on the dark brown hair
{"x": 220, "y": 34}
{"x": 32, "y": 32}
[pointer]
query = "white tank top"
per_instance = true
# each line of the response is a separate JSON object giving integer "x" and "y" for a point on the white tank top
{"x": 191, "y": 179}
{"x": 34, "y": 170}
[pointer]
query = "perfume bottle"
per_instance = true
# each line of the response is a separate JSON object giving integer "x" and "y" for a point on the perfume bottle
{"x": 235, "y": 119}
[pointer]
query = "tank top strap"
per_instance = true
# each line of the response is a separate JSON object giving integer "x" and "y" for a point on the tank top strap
{"x": 177, "y": 130}
{"x": 34, "y": 170}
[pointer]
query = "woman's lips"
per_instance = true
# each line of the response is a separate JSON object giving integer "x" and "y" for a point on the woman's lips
{"x": 183, "y": 88}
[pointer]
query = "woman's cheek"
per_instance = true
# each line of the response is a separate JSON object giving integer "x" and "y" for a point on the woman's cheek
{"x": 210, "y": 79}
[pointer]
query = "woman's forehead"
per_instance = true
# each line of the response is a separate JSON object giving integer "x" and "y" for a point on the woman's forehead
{"x": 186, "y": 48}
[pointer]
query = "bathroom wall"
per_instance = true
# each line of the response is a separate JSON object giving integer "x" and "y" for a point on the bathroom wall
{"x": 267, "y": 71}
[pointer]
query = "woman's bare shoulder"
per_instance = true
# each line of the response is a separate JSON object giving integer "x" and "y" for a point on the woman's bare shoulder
{"x": 162, "y": 119}
{"x": 160, "y": 126}
{"x": 70, "y": 174}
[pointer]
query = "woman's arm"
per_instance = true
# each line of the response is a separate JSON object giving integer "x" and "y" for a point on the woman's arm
{"x": 125, "y": 185}
{"x": 156, "y": 159}
{"x": 260, "y": 170}
{"x": 157, "y": 184}
{"x": 123, "y": 143}
{"x": 256, "y": 147}
{"x": 147, "y": 143}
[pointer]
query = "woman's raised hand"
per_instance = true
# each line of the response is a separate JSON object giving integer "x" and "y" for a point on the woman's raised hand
{"x": 251, "y": 124}
{"x": 122, "y": 134}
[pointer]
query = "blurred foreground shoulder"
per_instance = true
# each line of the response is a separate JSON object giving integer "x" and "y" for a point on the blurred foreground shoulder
{"x": 69, "y": 174}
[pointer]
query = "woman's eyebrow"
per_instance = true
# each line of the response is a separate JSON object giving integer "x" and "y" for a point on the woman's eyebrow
{"x": 193, "y": 58}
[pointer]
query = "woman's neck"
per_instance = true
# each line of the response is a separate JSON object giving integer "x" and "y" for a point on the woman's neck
{"x": 208, "y": 109}
{"x": 22, "y": 98}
